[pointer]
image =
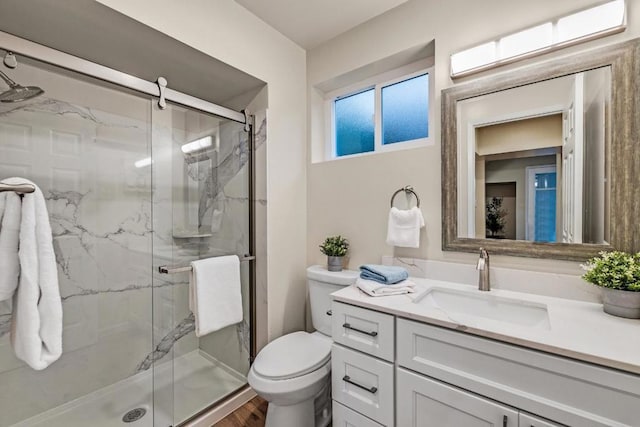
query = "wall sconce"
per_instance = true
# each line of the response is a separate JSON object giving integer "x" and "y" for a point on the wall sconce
{"x": 588, "y": 24}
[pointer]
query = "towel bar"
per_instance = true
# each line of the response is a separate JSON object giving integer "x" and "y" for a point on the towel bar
{"x": 165, "y": 269}
{"x": 407, "y": 189}
{"x": 18, "y": 188}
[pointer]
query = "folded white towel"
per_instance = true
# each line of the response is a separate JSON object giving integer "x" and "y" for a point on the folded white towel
{"x": 36, "y": 329}
{"x": 10, "y": 216}
{"x": 376, "y": 289}
{"x": 404, "y": 227}
{"x": 215, "y": 296}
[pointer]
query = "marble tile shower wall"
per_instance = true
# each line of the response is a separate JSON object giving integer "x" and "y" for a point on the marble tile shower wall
{"x": 80, "y": 143}
{"x": 99, "y": 203}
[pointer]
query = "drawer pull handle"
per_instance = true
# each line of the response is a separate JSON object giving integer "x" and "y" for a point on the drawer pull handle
{"x": 329, "y": 312}
{"x": 371, "y": 334}
{"x": 505, "y": 421}
{"x": 371, "y": 390}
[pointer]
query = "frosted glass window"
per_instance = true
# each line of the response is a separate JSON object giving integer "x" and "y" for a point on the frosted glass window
{"x": 405, "y": 110}
{"x": 354, "y": 121}
{"x": 525, "y": 41}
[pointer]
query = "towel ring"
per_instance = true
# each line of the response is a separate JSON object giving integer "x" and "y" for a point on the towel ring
{"x": 407, "y": 189}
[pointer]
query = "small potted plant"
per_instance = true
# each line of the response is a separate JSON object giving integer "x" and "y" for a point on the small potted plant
{"x": 618, "y": 273}
{"x": 495, "y": 220}
{"x": 335, "y": 248}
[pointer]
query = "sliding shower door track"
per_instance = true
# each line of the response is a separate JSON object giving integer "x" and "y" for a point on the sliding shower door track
{"x": 55, "y": 57}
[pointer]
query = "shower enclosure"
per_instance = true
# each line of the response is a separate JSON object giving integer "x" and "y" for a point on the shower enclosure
{"x": 130, "y": 187}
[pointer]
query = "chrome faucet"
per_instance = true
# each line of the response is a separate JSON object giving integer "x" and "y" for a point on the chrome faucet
{"x": 483, "y": 271}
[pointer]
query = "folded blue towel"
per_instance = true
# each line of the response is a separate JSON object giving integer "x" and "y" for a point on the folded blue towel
{"x": 385, "y": 274}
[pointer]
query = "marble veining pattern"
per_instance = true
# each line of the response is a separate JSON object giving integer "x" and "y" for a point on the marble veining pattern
{"x": 185, "y": 327}
{"x": 100, "y": 212}
{"x": 101, "y": 230}
{"x": 204, "y": 181}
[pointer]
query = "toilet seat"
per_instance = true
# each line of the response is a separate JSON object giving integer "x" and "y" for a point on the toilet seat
{"x": 293, "y": 355}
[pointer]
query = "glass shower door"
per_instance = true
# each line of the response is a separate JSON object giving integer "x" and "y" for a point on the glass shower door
{"x": 200, "y": 175}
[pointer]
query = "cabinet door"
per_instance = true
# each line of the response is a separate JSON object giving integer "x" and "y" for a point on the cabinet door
{"x": 423, "y": 402}
{"x": 527, "y": 420}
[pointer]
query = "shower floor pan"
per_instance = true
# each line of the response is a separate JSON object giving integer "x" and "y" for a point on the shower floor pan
{"x": 199, "y": 381}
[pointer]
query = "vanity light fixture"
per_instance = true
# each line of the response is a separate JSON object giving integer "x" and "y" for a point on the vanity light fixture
{"x": 197, "y": 145}
{"x": 589, "y": 24}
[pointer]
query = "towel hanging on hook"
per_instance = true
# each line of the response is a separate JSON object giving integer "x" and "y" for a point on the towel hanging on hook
{"x": 404, "y": 226}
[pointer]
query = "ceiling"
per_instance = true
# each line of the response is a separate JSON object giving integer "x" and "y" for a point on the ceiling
{"x": 311, "y": 23}
{"x": 90, "y": 30}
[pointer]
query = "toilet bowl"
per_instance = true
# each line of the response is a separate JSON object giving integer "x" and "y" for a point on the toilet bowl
{"x": 293, "y": 372}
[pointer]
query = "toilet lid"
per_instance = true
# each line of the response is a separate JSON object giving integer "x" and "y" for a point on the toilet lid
{"x": 292, "y": 355}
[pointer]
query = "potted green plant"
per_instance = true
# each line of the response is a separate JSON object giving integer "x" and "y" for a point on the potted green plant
{"x": 618, "y": 273}
{"x": 335, "y": 248}
{"x": 495, "y": 220}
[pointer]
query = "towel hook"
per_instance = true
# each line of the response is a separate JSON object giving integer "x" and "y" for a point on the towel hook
{"x": 406, "y": 189}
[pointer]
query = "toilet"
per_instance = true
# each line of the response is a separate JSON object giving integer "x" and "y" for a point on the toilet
{"x": 293, "y": 372}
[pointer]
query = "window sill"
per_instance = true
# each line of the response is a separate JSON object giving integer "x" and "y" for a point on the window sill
{"x": 390, "y": 148}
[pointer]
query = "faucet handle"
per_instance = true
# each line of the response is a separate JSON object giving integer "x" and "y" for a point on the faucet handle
{"x": 484, "y": 254}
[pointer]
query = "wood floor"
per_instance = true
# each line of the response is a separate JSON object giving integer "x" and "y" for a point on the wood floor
{"x": 251, "y": 414}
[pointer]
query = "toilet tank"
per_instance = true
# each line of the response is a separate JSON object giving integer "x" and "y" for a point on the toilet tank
{"x": 322, "y": 283}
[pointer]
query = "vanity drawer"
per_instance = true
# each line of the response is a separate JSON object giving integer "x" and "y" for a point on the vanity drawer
{"x": 561, "y": 389}
{"x": 345, "y": 417}
{"x": 362, "y": 383}
{"x": 365, "y": 330}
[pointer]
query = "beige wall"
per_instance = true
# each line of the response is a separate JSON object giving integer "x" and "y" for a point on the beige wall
{"x": 351, "y": 196}
{"x": 520, "y": 135}
{"x": 228, "y": 32}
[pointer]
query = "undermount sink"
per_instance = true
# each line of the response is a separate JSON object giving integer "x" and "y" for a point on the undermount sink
{"x": 460, "y": 305}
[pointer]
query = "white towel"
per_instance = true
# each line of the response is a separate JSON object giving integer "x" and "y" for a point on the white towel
{"x": 36, "y": 329}
{"x": 404, "y": 227}
{"x": 215, "y": 297}
{"x": 376, "y": 289}
{"x": 10, "y": 216}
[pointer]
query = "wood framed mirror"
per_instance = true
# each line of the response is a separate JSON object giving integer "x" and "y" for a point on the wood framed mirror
{"x": 544, "y": 161}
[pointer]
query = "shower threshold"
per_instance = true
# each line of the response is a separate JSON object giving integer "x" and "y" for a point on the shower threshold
{"x": 199, "y": 381}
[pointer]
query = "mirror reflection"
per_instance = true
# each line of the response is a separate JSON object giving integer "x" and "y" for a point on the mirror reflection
{"x": 533, "y": 161}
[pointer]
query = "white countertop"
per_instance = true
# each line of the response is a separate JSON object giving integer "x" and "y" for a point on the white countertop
{"x": 577, "y": 329}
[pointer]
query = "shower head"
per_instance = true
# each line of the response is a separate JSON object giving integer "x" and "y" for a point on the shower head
{"x": 16, "y": 92}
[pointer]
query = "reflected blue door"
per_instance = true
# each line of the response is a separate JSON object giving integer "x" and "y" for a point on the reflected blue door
{"x": 545, "y": 213}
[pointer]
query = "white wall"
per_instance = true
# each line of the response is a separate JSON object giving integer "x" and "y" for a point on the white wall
{"x": 351, "y": 196}
{"x": 228, "y": 32}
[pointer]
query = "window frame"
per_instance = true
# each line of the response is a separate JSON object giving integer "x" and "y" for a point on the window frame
{"x": 389, "y": 78}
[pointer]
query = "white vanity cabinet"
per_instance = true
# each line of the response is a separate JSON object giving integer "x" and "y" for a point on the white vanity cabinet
{"x": 362, "y": 368}
{"x": 557, "y": 388}
{"x": 414, "y": 374}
